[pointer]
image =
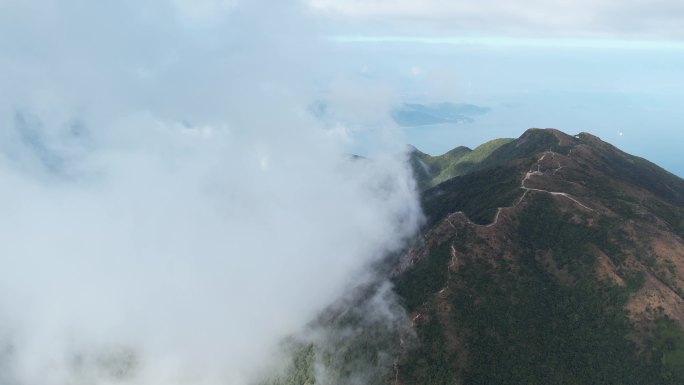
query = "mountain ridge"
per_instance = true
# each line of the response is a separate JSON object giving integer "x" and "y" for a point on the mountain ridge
{"x": 551, "y": 259}
{"x": 583, "y": 223}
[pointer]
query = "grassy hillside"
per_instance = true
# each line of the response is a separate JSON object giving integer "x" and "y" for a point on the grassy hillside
{"x": 432, "y": 170}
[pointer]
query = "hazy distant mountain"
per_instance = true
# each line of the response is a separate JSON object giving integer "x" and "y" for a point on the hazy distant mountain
{"x": 414, "y": 114}
{"x": 548, "y": 259}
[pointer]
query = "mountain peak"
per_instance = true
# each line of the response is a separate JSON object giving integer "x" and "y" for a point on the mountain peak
{"x": 556, "y": 251}
{"x": 540, "y": 257}
{"x": 546, "y": 135}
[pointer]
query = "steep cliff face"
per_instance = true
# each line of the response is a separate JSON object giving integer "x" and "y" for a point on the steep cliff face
{"x": 557, "y": 260}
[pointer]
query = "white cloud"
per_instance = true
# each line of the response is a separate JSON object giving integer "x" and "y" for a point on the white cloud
{"x": 166, "y": 196}
{"x": 547, "y": 18}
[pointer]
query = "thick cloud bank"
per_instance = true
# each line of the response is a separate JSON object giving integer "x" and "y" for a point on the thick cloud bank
{"x": 169, "y": 209}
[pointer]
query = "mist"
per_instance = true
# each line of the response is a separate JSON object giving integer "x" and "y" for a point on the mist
{"x": 170, "y": 209}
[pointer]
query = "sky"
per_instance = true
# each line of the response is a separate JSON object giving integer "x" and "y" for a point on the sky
{"x": 171, "y": 205}
{"x": 611, "y": 68}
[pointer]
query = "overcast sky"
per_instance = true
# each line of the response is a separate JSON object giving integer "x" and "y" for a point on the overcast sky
{"x": 545, "y": 18}
{"x": 613, "y": 68}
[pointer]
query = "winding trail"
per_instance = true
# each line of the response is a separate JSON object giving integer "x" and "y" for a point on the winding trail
{"x": 538, "y": 172}
{"x": 529, "y": 174}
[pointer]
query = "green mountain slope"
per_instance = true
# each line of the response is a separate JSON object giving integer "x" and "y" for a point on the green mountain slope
{"x": 559, "y": 261}
{"x": 548, "y": 259}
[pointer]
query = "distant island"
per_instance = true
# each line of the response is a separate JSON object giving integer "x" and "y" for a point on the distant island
{"x": 416, "y": 115}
